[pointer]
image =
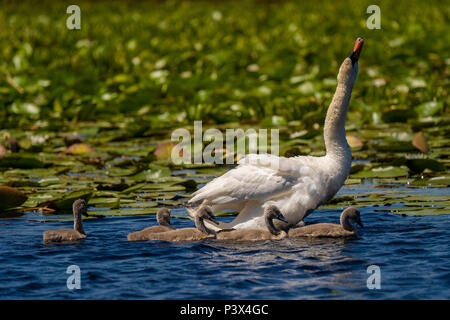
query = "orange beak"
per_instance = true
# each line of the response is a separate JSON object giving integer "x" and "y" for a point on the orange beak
{"x": 358, "y": 47}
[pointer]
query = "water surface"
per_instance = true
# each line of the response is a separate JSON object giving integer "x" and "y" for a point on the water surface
{"x": 412, "y": 252}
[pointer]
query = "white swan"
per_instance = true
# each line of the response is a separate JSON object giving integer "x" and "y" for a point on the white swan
{"x": 296, "y": 185}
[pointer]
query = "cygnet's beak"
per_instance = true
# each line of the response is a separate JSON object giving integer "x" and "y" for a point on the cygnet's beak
{"x": 354, "y": 56}
{"x": 359, "y": 222}
{"x": 282, "y": 218}
{"x": 212, "y": 218}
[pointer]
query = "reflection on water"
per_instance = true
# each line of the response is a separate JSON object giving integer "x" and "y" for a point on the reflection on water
{"x": 412, "y": 253}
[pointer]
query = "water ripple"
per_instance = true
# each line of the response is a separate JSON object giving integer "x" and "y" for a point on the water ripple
{"x": 413, "y": 254}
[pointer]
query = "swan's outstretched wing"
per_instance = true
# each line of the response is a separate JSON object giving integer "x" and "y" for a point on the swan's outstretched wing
{"x": 257, "y": 177}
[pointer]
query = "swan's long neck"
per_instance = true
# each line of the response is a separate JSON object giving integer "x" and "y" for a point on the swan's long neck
{"x": 334, "y": 129}
{"x": 77, "y": 223}
{"x": 345, "y": 222}
{"x": 272, "y": 229}
{"x": 200, "y": 225}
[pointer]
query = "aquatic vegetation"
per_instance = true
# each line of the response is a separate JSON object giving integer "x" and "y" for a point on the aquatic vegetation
{"x": 89, "y": 114}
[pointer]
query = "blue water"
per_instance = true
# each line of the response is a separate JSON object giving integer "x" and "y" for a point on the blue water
{"x": 412, "y": 253}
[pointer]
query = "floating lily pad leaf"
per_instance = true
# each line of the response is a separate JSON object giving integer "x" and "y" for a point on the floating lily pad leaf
{"x": 419, "y": 165}
{"x": 98, "y": 162}
{"x": 350, "y": 181}
{"x": 164, "y": 150}
{"x": 45, "y": 182}
{"x": 20, "y": 162}
{"x": 354, "y": 142}
{"x": 66, "y": 201}
{"x": 11, "y": 197}
{"x": 25, "y": 143}
{"x": 356, "y": 168}
{"x": 340, "y": 199}
{"x": 398, "y": 115}
{"x": 134, "y": 188}
{"x": 125, "y": 212}
{"x": 430, "y": 108}
{"x": 140, "y": 204}
{"x": 394, "y": 147}
{"x": 202, "y": 166}
{"x": 164, "y": 187}
{"x": 428, "y": 198}
{"x": 419, "y": 211}
{"x": 79, "y": 148}
{"x": 112, "y": 203}
{"x": 189, "y": 184}
{"x": 171, "y": 203}
{"x": 430, "y": 212}
{"x": 419, "y": 182}
{"x": 158, "y": 195}
{"x": 121, "y": 172}
{"x": 433, "y": 204}
{"x": 152, "y": 174}
{"x": 107, "y": 194}
{"x": 443, "y": 181}
{"x": 382, "y": 172}
{"x": 23, "y": 184}
{"x": 420, "y": 142}
{"x": 113, "y": 187}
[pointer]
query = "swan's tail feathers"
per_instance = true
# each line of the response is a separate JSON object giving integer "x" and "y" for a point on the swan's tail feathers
{"x": 197, "y": 196}
{"x": 194, "y": 198}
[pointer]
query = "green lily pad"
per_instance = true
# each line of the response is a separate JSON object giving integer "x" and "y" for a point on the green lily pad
{"x": 152, "y": 174}
{"x": 382, "y": 172}
{"x": 124, "y": 212}
{"x": 422, "y": 212}
{"x": 11, "y": 197}
{"x": 112, "y": 203}
{"x": 66, "y": 201}
{"x": 20, "y": 162}
{"x": 419, "y": 165}
{"x": 429, "y": 108}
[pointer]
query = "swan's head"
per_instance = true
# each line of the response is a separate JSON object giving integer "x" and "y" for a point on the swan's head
{"x": 349, "y": 68}
{"x": 353, "y": 214}
{"x": 163, "y": 217}
{"x": 272, "y": 212}
{"x": 80, "y": 207}
{"x": 205, "y": 213}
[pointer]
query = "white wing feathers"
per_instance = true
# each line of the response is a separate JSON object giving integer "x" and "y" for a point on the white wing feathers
{"x": 257, "y": 177}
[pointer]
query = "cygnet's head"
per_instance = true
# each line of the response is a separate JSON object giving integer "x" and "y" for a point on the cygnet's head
{"x": 272, "y": 212}
{"x": 349, "y": 68}
{"x": 353, "y": 214}
{"x": 205, "y": 213}
{"x": 80, "y": 207}
{"x": 163, "y": 217}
